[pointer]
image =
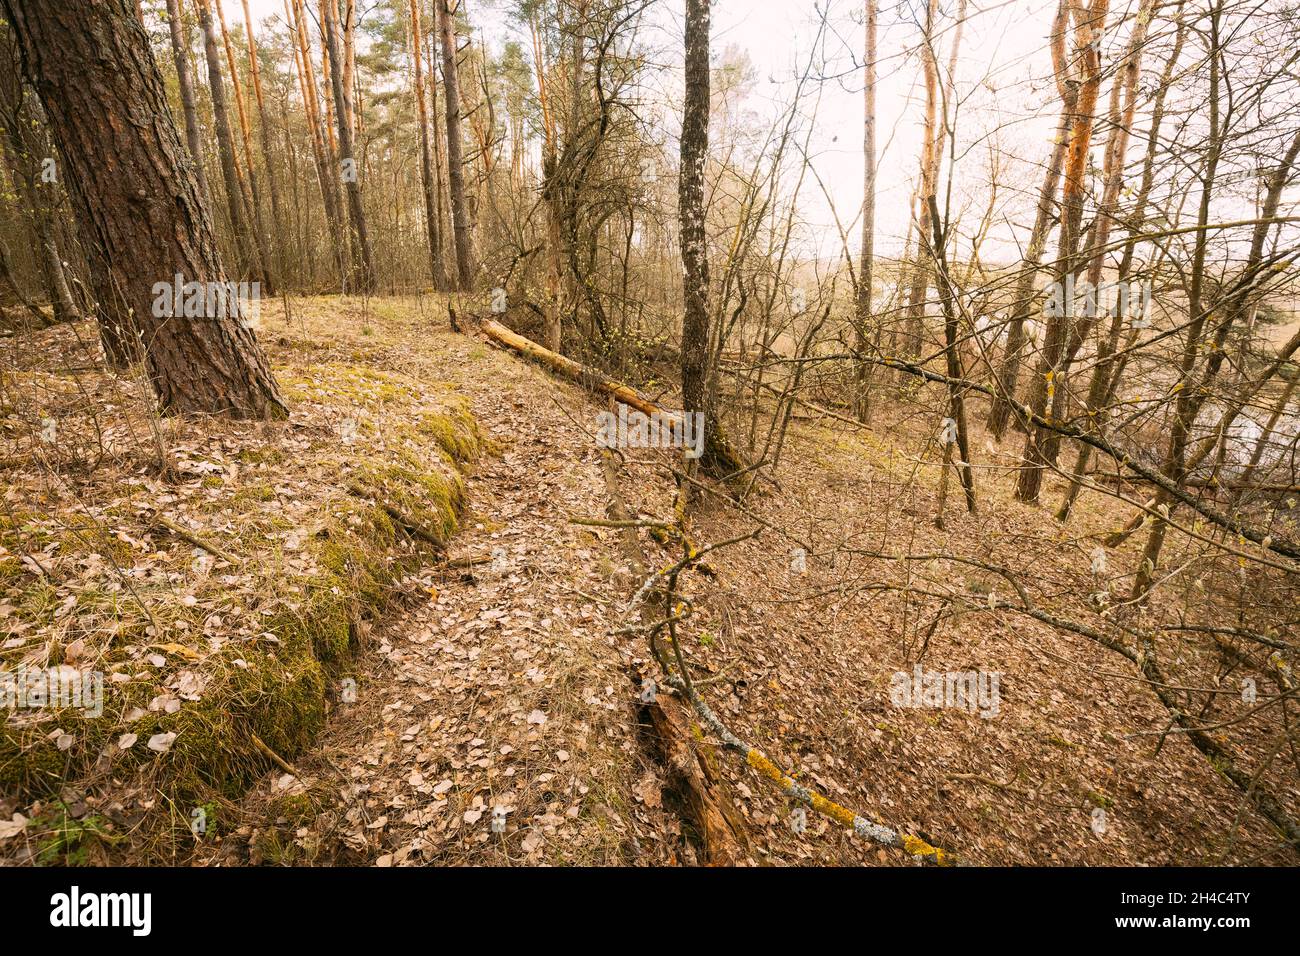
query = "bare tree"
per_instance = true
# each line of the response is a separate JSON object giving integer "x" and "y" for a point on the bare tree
{"x": 461, "y": 231}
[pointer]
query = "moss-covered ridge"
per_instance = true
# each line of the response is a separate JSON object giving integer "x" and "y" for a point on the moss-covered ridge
{"x": 397, "y": 499}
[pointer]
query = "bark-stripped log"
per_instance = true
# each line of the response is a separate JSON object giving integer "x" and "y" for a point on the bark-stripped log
{"x": 570, "y": 369}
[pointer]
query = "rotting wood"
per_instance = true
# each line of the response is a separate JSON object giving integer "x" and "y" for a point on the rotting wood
{"x": 707, "y": 807}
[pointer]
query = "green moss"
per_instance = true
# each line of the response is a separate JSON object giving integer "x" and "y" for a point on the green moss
{"x": 295, "y": 809}
{"x": 456, "y": 432}
{"x": 267, "y": 455}
{"x": 253, "y": 492}
{"x": 29, "y": 763}
{"x": 1099, "y": 799}
{"x": 267, "y": 693}
{"x": 427, "y": 503}
{"x": 64, "y": 840}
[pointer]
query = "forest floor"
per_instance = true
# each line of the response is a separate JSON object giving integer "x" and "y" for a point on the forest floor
{"x": 495, "y": 679}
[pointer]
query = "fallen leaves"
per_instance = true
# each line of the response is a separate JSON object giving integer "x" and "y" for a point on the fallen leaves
{"x": 161, "y": 743}
{"x": 12, "y": 827}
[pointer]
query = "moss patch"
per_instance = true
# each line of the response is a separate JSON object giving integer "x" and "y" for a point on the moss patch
{"x": 322, "y": 530}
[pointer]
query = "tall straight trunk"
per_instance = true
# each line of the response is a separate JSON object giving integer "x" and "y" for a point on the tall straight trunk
{"x": 138, "y": 201}
{"x": 435, "y": 140}
{"x": 695, "y": 262}
{"x": 552, "y": 326}
{"x": 181, "y": 56}
{"x": 460, "y": 226}
{"x": 350, "y": 62}
{"x": 362, "y": 257}
{"x": 326, "y": 173}
{"x": 952, "y": 360}
{"x": 866, "y": 270}
{"x": 244, "y": 256}
{"x": 427, "y": 181}
{"x": 1041, "y": 444}
{"x": 1123, "y": 105}
{"x": 1023, "y": 299}
{"x": 265, "y": 140}
{"x": 252, "y": 195}
{"x": 914, "y": 315}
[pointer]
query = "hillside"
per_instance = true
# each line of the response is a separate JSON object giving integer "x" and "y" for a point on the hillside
{"x": 495, "y": 662}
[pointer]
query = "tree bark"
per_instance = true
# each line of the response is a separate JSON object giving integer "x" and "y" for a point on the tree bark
{"x": 461, "y": 234}
{"x": 326, "y": 172}
{"x": 866, "y": 269}
{"x": 1041, "y": 446}
{"x": 427, "y": 180}
{"x": 181, "y": 56}
{"x": 138, "y": 201}
{"x": 914, "y": 316}
{"x": 1123, "y": 105}
{"x": 243, "y": 241}
{"x": 362, "y": 257}
{"x": 248, "y": 180}
{"x": 27, "y": 145}
{"x": 265, "y": 139}
{"x": 1023, "y": 301}
{"x": 695, "y": 261}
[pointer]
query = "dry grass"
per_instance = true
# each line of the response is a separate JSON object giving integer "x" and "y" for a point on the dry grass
{"x": 308, "y": 529}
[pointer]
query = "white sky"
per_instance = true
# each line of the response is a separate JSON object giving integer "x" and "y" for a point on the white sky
{"x": 1004, "y": 43}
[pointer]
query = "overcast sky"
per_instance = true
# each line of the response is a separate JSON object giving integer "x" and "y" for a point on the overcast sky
{"x": 1001, "y": 83}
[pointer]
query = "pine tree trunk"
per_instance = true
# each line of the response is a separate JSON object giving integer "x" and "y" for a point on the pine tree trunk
{"x": 181, "y": 56}
{"x": 225, "y": 146}
{"x": 326, "y": 173}
{"x": 138, "y": 201}
{"x": 252, "y": 194}
{"x": 427, "y": 180}
{"x": 362, "y": 257}
{"x": 265, "y": 131}
{"x": 461, "y": 233}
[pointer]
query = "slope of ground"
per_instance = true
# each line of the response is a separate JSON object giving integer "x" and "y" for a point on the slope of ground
{"x": 511, "y": 687}
{"x": 507, "y": 678}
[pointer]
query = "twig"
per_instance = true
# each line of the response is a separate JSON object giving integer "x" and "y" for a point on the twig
{"x": 191, "y": 538}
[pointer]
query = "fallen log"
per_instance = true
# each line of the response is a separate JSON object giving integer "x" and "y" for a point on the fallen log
{"x": 719, "y": 459}
{"x": 571, "y": 369}
{"x": 694, "y": 780}
{"x": 701, "y": 795}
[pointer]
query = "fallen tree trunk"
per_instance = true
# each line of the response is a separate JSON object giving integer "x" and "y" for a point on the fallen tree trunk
{"x": 720, "y": 460}
{"x": 570, "y": 369}
{"x": 701, "y": 795}
{"x": 694, "y": 780}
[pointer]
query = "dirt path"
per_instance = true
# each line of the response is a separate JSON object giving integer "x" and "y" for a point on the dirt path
{"x": 503, "y": 685}
{"x": 502, "y": 688}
